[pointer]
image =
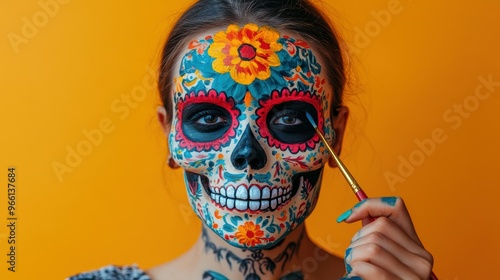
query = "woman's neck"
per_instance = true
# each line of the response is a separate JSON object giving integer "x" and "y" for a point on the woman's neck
{"x": 219, "y": 260}
{"x": 211, "y": 258}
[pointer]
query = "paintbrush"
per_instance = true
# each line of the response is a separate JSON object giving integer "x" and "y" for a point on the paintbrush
{"x": 360, "y": 194}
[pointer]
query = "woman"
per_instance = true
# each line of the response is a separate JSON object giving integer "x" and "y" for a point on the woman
{"x": 236, "y": 80}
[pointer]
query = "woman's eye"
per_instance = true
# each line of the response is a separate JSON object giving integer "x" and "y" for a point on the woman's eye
{"x": 210, "y": 119}
{"x": 288, "y": 120}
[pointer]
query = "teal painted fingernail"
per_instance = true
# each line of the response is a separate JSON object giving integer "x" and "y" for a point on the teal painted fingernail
{"x": 351, "y": 278}
{"x": 390, "y": 200}
{"x": 344, "y": 216}
{"x": 348, "y": 267}
{"x": 348, "y": 251}
{"x": 360, "y": 203}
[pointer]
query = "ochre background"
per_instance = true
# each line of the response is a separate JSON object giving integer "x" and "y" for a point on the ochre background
{"x": 83, "y": 66}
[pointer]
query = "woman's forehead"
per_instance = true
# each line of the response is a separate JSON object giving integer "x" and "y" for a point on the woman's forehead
{"x": 248, "y": 59}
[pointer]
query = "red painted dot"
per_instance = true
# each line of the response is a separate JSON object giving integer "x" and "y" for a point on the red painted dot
{"x": 247, "y": 52}
{"x": 250, "y": 234}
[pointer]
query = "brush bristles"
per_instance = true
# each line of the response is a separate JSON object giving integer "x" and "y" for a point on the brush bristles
{"x": 309, "y": 117}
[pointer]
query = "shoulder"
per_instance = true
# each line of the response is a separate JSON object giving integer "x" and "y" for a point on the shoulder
{"x": 113, "y": 272}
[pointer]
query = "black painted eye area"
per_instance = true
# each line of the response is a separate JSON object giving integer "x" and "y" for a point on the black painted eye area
{"x": 203, "y": 122}
{"x": 206, "y": 121}
{"x": 287, "y": 122}
{"x": 282, "y": 120}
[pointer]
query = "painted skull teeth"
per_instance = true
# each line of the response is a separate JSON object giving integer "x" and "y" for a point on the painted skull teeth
{"x": 254, "y": 198}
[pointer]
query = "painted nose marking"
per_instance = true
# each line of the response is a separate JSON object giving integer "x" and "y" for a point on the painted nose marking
{"x": 248, "y": 152}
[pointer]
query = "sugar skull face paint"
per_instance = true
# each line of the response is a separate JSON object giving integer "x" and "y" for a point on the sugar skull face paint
{"x": 252, "y": 161}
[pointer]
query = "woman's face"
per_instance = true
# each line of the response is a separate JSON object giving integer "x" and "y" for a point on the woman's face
{"x": 252, "y": 161}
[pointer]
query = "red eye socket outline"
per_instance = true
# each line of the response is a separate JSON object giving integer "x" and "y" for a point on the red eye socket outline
{"x": 276, "y": 98}
{"x": 213, "y": 97}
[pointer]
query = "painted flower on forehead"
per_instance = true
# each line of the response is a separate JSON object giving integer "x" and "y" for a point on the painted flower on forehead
{"x": 247, "y": 53}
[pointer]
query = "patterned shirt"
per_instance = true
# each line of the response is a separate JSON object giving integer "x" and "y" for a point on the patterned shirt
{"x": 113, "y": 272}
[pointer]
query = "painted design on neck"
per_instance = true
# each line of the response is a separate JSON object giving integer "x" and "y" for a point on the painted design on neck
{"x": 255, "y": 264}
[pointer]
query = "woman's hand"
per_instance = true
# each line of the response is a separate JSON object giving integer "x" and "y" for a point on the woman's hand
{"x": 386, "y": 247}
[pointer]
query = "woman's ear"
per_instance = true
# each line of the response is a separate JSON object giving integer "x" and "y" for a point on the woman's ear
{"x": 161, "y": 113}
{"x": 339, "y": 124}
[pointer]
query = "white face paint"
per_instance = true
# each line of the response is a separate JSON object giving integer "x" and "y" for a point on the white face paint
{"x": 252, "y": 161}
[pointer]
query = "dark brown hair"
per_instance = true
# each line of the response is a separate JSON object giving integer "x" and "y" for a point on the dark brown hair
{"x": 295, "y": 16}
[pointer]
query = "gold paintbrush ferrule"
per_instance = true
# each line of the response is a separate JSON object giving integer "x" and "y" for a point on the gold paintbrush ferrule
{"x": 343, "y": 169}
